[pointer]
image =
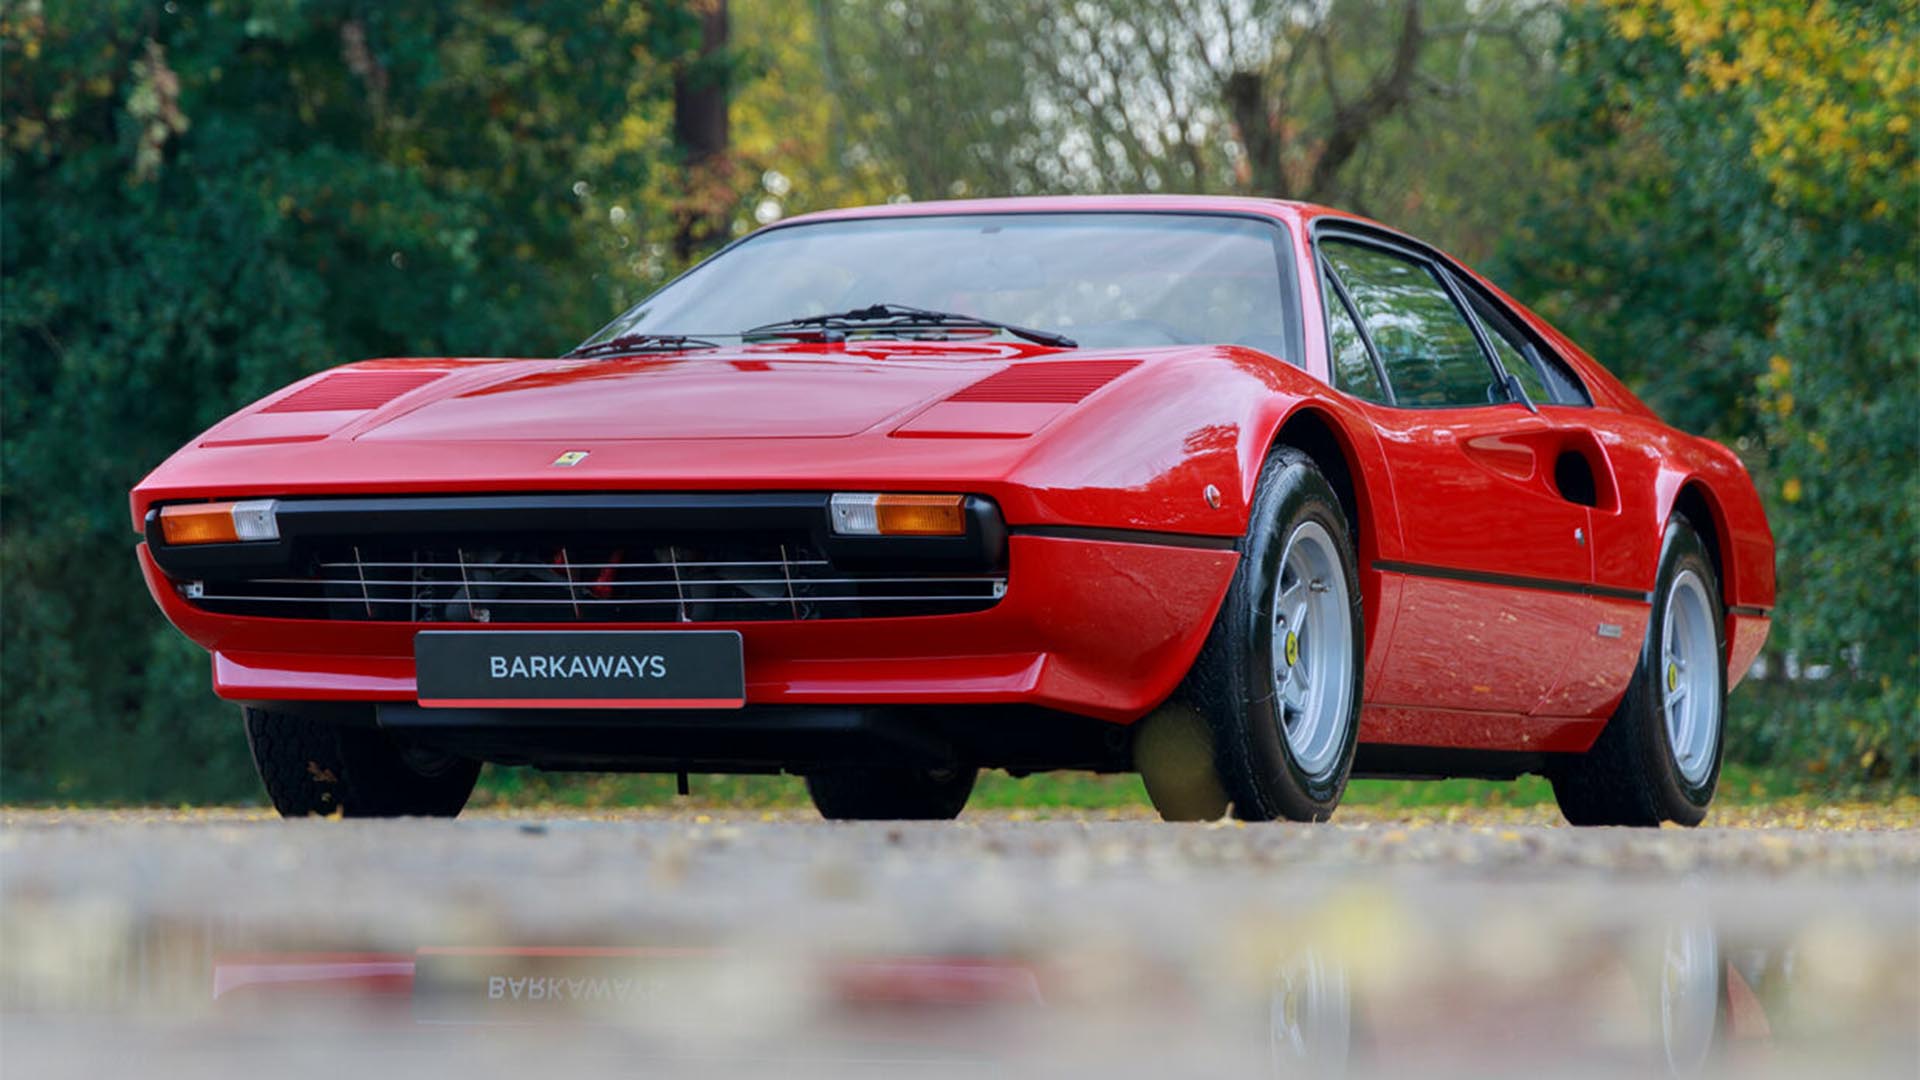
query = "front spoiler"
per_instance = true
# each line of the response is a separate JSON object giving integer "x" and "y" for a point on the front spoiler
{"x": 767, "y": 738}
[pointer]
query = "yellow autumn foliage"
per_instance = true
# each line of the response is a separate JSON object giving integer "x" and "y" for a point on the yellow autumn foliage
{"x": 1832, "y": 89}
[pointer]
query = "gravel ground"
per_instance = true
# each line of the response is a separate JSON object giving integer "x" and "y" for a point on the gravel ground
{"x": 225, "y": 943}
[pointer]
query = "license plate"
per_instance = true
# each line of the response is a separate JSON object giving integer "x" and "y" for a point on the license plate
{"x": 580, "y": 669}
{"x": 568, "y": 986}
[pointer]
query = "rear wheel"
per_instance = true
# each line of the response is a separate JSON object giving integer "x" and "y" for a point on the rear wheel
{"x": 316, "y": 767}
{"x": 891, "y": 794}
{"x": 1279, "y": 678}
{"x": 1692, "y": 999}
{"x": 1658, "y": 759}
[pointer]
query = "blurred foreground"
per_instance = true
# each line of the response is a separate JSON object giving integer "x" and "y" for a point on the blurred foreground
{"x": 231, "y": 945}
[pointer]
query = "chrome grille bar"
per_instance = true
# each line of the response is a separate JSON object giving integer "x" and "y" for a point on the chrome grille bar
{"x": 568, "y": 567}
{"x": 548, "y": 566}
{"x": 609, "y": 578}
{"x": 787, "y": 572}
{"x": 362, "y": 572}
{"x": 673, "y": 558}
{"x": 865, "y": 599}
{"x": 696, "y": 582}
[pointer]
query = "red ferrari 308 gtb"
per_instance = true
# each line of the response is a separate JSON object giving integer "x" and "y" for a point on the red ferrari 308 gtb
{"x": 889, "y": 495}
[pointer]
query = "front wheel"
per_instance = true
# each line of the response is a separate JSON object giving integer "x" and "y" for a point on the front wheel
{"x": 313, "y": 766}
{"x": 1278, "y": 680}
{"x": 891, "y": 794}
{"x": 1658, "y": 758}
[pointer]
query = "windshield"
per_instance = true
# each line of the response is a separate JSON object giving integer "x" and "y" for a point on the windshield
{"x": 1103, "y": 279}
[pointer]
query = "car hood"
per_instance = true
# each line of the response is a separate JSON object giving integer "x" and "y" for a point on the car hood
{"x": 1028, "y": 426}
{"x": 740, "y": 394}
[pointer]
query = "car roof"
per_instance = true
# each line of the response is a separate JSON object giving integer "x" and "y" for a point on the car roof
{"x": 1232, "y": 204}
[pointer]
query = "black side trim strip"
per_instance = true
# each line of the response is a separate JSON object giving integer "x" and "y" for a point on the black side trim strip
{"x": 1480, "y": 577}
{"x": 1128, "y": 536}
{"x": 1750, "y": 609}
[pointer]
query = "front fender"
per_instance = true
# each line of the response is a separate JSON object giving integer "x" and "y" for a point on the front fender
{"x": 1146, "y": 451}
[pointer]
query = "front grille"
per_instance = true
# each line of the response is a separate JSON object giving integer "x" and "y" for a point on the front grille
{"x": 693, "y": 579}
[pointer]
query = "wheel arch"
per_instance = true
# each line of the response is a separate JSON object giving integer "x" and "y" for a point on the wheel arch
{"x": 1315, "y": 433}
{"x": 1708, "y": 483}
{"x": 1696, "y": 501}
{"x": 1366, "y": 502}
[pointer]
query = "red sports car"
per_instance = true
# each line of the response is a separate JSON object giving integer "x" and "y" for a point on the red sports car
{"x": 1251, "y": 496}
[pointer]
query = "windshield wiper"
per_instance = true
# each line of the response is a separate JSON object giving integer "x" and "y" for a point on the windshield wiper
{"x": 637, "y": 343}
{"x": 836, "y": 325}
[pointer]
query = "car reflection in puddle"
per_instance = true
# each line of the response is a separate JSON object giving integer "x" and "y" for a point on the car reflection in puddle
{"x": 1354, "y": 985}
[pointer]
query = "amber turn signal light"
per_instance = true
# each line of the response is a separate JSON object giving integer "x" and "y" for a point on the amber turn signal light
{"x": 899, "y": 515}
{"x": 219, "y": 523}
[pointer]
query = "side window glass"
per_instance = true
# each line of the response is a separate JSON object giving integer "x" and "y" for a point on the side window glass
{"x": 1544, "y": 374}
{"x": 1511, "y": 348}
{"x": 1430, "y": 354}
{"x": 1353, "y": 369}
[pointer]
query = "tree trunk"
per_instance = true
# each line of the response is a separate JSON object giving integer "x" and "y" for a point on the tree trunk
{"x": 1259, "y": 130}
{"x": 1390, "y": 92}
{"x": 700, "y": 133}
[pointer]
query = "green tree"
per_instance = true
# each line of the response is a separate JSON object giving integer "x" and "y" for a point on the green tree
{"x": 1748, "y": 255}
{"x": 205, "y": 201}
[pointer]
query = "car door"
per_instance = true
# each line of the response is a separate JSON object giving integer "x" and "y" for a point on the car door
{"x": 1497, "y": 561}
{"x": 1606, "y": 645}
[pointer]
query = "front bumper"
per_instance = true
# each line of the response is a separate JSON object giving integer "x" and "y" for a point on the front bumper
{"x": 1101, "y": 628}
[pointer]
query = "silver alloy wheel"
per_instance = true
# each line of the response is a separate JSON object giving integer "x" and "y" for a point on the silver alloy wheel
{"x": 1689, "y": 997}
{"x": 1313, "y": 648}
{"x": 1310, "y": 1017}
{"x": 1689, "y": 676}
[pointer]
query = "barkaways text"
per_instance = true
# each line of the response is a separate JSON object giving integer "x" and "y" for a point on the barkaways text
{"x": 564, "y": 666}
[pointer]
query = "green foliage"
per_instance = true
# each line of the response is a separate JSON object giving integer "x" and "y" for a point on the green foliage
{"x": 1748, "y": 257}
{"x": 204, "y": 202}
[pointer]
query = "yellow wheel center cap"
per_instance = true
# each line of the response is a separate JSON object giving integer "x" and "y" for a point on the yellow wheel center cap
{"x": 1293, "y": 648}
{"x": 1673, "y": 676}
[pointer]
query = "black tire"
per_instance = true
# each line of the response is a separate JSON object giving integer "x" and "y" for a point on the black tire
{"x": 1630, "y": 775}
{"x": 891, "y": 794}
{"x": 1231, "y": 683}
{"x": 312, "y": 766}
